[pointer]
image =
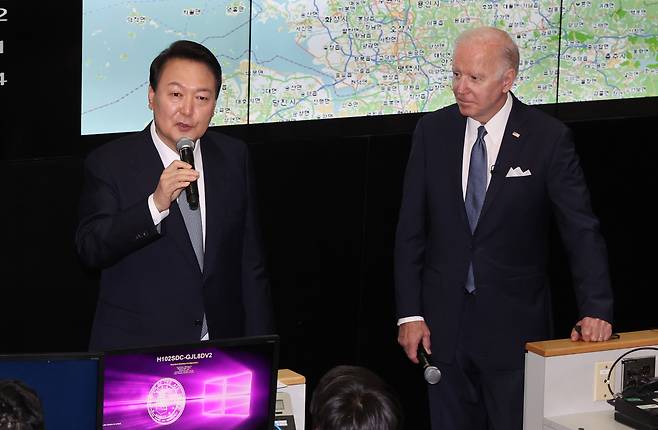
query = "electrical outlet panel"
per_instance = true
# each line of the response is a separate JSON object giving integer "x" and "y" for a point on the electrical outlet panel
{"x": 601, "y": 370}
{"x": 637, "y": 370}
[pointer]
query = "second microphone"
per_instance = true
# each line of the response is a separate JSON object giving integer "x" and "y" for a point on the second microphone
{"x": 432, "y": 374}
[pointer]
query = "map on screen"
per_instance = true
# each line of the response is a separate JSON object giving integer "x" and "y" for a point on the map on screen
{"x": 609, "y": 50}
{"x": 360, "y": 57}
{"x": 120, "y": 39}
{"x": 319, "y": 59}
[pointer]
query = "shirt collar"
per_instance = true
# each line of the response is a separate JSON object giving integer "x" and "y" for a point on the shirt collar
{"x": 168, "y": 155}
{"x": 496, "y": 125}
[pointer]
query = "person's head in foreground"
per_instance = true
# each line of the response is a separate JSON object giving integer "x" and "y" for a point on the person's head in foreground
{"x": 20, "y": 407}
{"x": 354, "y": 398}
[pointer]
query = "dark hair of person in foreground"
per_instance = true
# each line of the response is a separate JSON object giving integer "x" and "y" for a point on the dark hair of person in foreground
{"x": 354, "y": 398}
{"x": 20, "y": 407}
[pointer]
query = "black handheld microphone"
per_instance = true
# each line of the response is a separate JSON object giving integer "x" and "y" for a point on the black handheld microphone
{"x": 185, "y": 148}
{"x": 431, "y": 373}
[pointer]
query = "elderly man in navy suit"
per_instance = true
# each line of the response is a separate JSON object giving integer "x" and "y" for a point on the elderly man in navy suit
{"x": 174, "y": 271}
{"x": 482, "y": 179}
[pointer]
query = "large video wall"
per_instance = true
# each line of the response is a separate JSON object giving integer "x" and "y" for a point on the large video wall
{"x": 289, "y": 60}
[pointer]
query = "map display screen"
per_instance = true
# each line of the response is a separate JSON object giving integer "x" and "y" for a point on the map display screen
{"x": 120, "y": 39}
{"x": 290, "y": 60}
{"x": 609, "y": 50}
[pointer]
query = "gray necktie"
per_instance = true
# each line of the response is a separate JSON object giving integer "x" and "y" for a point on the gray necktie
{"x": 192, "y": 220}
{"x": 476, "y": 189}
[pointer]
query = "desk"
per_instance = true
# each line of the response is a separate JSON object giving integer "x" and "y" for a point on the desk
{"x": 603, "y": 420}
{"x": 559, "y": 380}
{"x": 295, "y": 385}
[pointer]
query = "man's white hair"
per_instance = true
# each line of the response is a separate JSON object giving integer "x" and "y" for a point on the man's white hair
{"x": 487, "y": 36}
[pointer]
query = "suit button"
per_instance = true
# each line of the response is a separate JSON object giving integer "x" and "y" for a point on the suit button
{"x": 197, "y": 323}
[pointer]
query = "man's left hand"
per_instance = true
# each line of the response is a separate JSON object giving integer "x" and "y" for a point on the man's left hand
{"x": 592, "y": 330}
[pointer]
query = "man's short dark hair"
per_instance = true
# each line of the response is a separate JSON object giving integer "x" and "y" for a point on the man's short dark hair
{"x": 20, "y": 407}
{"x": 187, "y": 50}
{"x": 354, "y": 398}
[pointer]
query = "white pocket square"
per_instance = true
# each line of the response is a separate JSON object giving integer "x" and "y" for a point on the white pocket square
{"x": 517, "y": 172}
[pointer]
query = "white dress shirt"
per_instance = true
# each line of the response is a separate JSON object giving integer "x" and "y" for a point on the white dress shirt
{"x": 495, "y": 129}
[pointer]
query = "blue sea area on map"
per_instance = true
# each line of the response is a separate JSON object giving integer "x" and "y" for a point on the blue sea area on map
{"x": 275, "y": 47}
{"x": 117, "y": 54}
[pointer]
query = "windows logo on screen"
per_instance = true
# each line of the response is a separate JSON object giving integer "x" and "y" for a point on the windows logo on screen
{"x": 228, "y": 395}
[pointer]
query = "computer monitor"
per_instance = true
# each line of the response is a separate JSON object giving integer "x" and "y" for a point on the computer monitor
{"x": 67, "y": 386}
{"x": 226, "y": 384}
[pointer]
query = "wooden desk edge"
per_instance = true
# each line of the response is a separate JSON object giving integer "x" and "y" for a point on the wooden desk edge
{"x": 290, "y": 377}
{"x": 553, "y": 348}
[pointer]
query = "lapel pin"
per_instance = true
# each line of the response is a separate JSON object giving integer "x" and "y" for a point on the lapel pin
{"x": 515, "y": 134}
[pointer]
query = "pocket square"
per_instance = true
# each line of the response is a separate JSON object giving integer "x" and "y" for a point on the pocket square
{"x": 517, "y": 172}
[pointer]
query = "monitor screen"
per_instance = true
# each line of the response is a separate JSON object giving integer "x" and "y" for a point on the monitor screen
{"x": 228, "y": 385}
{"x": 120, "y": 39}
{"x": 294, "y": 60}
{"x": 67, "y": 386}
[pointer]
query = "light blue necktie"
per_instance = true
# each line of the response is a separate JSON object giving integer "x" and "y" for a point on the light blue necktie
{"x": 476, "y": 189}
{"x": 192, "y": 220}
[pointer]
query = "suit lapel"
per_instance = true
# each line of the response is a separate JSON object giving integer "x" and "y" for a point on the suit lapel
{"x": 455, "y": 158}
{"x": 145, "y": 165}
{"x": 213, "y": 160}
{"x": 510, "y": 148}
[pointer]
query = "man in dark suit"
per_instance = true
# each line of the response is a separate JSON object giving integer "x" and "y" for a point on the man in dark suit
{"x": 472, "y": 239}
{"x": 172, "y": 273}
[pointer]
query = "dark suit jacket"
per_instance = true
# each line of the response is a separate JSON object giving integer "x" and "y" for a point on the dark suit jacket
{"x": 509, "y": 247}
{"x": 152, "y": 290}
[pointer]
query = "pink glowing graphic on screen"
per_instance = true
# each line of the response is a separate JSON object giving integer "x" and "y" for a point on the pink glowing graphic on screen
{"x": 228, "y": 395}
{"x": 166, "y": 401}
{"x": 231, "y": 391}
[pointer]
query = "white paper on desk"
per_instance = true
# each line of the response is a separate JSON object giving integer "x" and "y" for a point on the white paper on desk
{"x": 280, "y": 384}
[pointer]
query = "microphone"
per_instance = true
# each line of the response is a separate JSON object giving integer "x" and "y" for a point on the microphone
{"x": 185, "y": 148}
{"x": 431, "y": 373}
{"x": 492, "y": 169}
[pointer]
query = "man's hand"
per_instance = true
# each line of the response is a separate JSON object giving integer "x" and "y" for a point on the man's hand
{"x": 592, "y": 330}
{"x": 410, "y": 335}
{"x": 173, "y": 180}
